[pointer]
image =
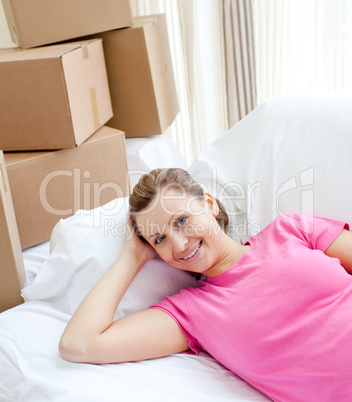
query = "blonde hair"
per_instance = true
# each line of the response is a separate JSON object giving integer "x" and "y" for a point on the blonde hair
{"x": 152, "y": 183}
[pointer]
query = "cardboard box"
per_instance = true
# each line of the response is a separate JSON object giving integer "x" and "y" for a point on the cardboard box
{"x": 141, "y": 79}
{"x": 41, "y": 22}
{"x": 12, "y": 272}
{"x": 52, "y": 97}
{"x": 49, "y": 186}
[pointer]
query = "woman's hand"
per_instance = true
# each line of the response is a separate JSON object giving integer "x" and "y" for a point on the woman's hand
{"x": 137, "y": 245}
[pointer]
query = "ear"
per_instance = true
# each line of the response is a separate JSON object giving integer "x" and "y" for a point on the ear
{"x": 214, "y": 207}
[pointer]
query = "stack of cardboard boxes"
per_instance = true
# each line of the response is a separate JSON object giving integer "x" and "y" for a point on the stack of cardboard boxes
{"x": 65, "y": 109}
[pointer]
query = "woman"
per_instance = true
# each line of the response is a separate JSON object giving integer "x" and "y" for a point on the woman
{"x": 277, "y": 311}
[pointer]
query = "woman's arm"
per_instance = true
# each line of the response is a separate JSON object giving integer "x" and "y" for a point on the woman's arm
{"x": 341, "y": 248}
{"x": 91, "y": 336}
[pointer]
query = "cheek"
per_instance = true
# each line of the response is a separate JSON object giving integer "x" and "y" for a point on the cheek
{"x": 200, "y": 228}
{"x": 167, "y": 256}
{"x": 162, "y": 252}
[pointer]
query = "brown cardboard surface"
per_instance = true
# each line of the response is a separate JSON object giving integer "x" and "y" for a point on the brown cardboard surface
{"x": 53, "y": 97}
{"x": 12, "y": 272}
{"x": 49, "y": 186}
{"x": 141, "y": 79}
{"x": 41, "y": 22}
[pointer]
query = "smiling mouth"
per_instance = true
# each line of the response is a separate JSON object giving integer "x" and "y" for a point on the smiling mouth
{"x": 193, "y": 253}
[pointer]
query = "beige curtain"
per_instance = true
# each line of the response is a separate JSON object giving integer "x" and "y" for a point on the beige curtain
{"x": 240, "y": 58}
{"x": 203, "y": 43}
{"x": 211, "y": 44}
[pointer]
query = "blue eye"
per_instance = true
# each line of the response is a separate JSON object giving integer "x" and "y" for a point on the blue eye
{"x": 180, "y": 221}
{"x": 159, "y": 239}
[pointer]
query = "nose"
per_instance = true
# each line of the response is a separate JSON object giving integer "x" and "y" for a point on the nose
{"x": 179, "y": 241}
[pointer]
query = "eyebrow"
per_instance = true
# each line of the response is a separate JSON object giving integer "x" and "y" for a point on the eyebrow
{"x": 172, "y": 217}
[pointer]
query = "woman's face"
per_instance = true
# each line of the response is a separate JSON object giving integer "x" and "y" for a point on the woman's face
{"x": 183, "y": 230}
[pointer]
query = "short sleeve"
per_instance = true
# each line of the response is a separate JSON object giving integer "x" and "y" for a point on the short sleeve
{"x": 318, "y": 232}
{"x": 176, "y": 307}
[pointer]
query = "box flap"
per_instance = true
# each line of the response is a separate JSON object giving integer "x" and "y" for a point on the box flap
{"x": 104, "y": 132}
{"x": 11, "y": 158}
{"x": 46, "y": 52}
{"x": 87, "y": 88}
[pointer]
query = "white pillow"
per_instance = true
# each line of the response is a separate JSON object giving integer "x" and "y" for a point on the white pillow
{"x": 148, "y": 153}
{"x": 290, "y": 154}
{"x": 86, "y": 245}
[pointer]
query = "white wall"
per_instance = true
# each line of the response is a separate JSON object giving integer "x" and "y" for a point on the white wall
{"x": 5, "y": 38}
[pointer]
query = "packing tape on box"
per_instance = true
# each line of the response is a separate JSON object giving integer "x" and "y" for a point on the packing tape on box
{"x": 93, "y": 100}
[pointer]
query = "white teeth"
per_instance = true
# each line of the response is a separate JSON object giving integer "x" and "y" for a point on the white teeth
{"x": 193, "y": 253}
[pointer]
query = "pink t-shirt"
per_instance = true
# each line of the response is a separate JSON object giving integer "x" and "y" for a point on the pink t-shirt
{"x": 281, "y": 318}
